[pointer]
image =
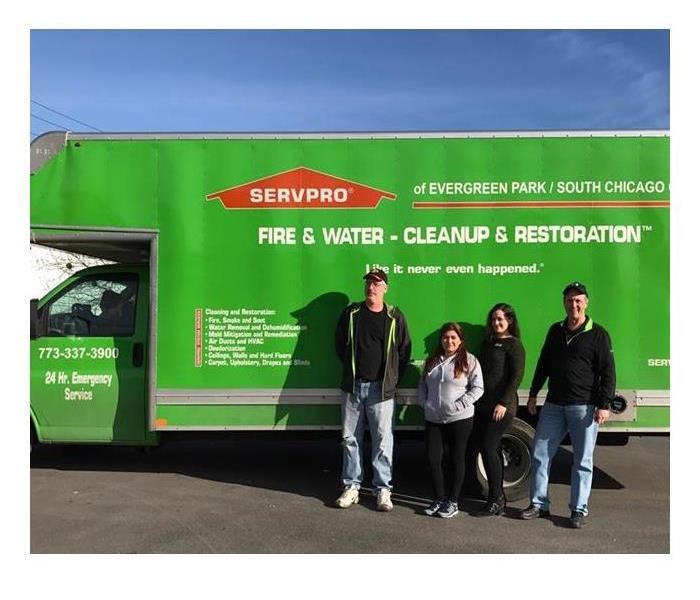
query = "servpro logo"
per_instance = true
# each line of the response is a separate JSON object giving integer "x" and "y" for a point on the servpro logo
{"x": 301, "y": 188}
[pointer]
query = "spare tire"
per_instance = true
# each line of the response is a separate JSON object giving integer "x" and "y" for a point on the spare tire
{"x": 516, "y": 448}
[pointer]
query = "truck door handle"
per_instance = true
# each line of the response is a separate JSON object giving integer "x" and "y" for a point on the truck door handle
{"x": 137, "y": 354}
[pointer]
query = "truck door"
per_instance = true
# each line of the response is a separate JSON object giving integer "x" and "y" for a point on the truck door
{"x": 88, "y": 369}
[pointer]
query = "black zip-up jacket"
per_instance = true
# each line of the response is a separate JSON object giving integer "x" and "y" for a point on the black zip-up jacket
{"x": 502, "y": 364}
{"x": 398, "y": 351}
{"x": 580, "y": 371}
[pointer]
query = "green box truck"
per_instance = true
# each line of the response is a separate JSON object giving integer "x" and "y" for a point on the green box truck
{"x": 235, "y": 254}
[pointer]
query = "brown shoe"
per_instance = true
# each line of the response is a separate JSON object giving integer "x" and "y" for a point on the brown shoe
{"x": 532, "y": 512}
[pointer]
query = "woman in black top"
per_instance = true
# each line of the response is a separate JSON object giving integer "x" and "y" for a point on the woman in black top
{"x": 502, "y": 359}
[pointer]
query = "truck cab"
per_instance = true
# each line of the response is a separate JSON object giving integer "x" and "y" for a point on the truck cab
{"x": 88, "y": 358}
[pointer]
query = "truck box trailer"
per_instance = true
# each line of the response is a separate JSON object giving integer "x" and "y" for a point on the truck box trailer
{"x": 235, "y": 254}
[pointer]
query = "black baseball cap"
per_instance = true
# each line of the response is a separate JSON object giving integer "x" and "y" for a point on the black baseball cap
{"x": 575, "y": 286}
{"x": 376, "y": 275}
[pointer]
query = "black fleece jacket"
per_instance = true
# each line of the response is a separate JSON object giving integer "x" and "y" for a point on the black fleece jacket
{"x": 580, "y": 370}
{"x": 398, "y": 352}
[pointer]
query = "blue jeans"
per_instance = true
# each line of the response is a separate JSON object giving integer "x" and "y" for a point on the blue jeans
{"x": 554, "y": 422}
{"x": 367, "y": 402}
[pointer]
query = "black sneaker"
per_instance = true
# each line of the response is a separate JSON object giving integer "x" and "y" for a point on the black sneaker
{"x": 493, "y": 508}
{"x": 532, "y": 512}
{"x": 577, "y": 520}
{"x": 433, "y": 508}
{"x": 448, "y": 510}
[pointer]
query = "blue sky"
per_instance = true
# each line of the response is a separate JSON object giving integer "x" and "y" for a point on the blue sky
{"x": 353, "y": 80}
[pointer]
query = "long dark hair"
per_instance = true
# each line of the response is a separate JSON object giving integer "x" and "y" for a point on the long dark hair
{"x": 509, "y": 314}
{"x": 461, "y": 363}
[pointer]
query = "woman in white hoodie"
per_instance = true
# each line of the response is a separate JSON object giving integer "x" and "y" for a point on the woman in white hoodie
{"x": 450, "y": 384}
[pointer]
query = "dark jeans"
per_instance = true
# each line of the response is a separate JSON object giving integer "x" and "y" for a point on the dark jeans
{"x": 455, "y": 436}
{"x": 486, "y": 439}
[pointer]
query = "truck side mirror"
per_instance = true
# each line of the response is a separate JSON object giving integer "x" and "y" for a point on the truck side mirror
{"x": 33, "y": 319}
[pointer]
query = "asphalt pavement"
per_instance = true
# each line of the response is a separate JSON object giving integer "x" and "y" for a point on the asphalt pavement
{"x": 266, "y": 494}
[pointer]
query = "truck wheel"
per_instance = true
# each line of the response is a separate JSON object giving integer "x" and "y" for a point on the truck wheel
{"x": 33, "y": 439}
{"x": 517, "y": 459}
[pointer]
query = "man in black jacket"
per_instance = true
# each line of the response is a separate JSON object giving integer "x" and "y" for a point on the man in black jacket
{"x": 374, "y": 346}
{"x": 577, "y": 358}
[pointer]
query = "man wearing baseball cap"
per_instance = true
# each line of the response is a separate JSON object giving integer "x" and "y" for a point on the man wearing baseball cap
{"x": 374, "y": 347}
{"x": 577, "y": 358}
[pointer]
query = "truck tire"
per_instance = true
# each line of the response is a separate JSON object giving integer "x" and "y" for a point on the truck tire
{"x": 516, "y": 447}
{"x": 33, "y": 439}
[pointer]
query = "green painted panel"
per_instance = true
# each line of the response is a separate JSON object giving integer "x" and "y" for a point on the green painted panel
{"x": 283, "y": 415}
{"x": 326, "y": 415}
{"x": 250, "y": 415}
{"x": 647, "y": 416}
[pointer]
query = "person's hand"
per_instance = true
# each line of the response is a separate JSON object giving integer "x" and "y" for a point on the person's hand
{"x": 499, "y": 412}
{"x": 601, "y": 416}
{"x": 532, "y": 405}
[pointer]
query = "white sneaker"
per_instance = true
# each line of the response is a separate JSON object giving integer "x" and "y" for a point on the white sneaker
{"x": 349, "y": 497}
{"x": 384, "y": 500}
